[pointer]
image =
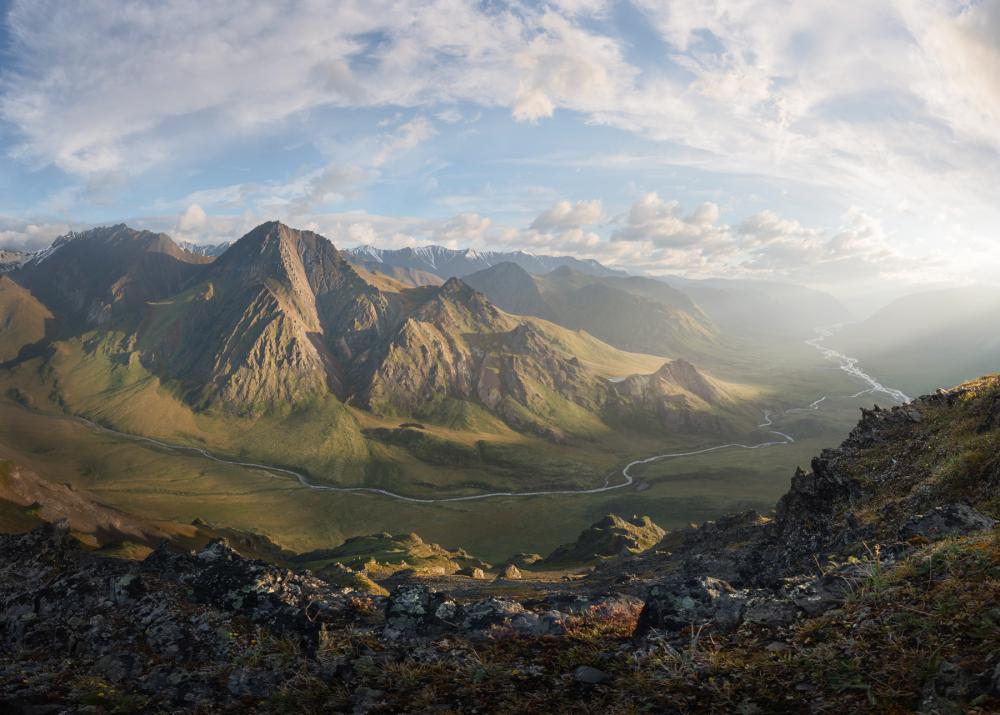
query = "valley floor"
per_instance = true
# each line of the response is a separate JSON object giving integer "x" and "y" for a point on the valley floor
{"x": 155, "y": 481}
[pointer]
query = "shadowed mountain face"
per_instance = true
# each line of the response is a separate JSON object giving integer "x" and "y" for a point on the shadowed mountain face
{"x": 93, "y": 276}
{"x": 281, "y": 321}
{"x": 631, "y": 313}
{"x": 513, "y": 289}
{"x": 23, "y": 319}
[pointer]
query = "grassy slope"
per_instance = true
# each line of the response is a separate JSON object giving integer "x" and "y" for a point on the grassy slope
{"x": 155, "y": 483}
{"x": 23, "y": 319}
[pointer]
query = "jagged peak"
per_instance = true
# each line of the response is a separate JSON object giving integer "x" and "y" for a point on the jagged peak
{"x": 457, "y": 287}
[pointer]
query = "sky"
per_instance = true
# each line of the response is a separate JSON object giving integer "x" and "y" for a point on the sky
{"x": 845, "y": 145}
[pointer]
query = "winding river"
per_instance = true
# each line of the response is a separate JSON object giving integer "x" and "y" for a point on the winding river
{"x": 846, "y": 363}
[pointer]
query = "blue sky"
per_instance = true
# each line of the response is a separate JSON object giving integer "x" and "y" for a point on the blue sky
{"x": 836, "y": 144}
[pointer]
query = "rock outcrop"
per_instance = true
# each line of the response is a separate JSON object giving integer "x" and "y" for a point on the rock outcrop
{"x": 611, "y": 536}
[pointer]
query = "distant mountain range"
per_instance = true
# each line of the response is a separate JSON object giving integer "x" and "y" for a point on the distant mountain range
{"x": 456, "y": 263}
{"x": 211, "y": 250}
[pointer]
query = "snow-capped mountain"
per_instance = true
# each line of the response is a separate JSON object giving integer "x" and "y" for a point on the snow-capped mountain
{"x": 212, "y": 250}
{"x": 451, "y": 262}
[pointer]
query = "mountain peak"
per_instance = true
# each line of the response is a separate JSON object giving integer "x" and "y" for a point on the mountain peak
{"x": 686, "y": 376}
{"x": 456, "y": 286}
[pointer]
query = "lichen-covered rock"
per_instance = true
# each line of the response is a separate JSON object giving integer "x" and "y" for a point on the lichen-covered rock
{"x": 947, "y": 520}
{"x": 695, "y": 603}
{"x": 416, "y": 610}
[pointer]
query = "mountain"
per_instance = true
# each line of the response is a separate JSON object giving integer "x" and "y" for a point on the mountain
{"x": 93, "y": 276}
{"x": 411, "y": 277}
{"x": 9, "y": 260}
{"x": 928, "y": 339}
{"x": 382, "y": 555}
{"x": 631, "y": 313}
{"x": 512, "y": 289}
{"x": 24, "y": 320}
{"x": 282, "y": 323}
{"x": 677, "y": 397}
{"x": 871, "y": 587}
{"x": 610, "y": 537}
{"x": 449, "y": 262}
{"x": 278, "y": 319}
{"x": 210, "y": 250}
{"x": 762, "y": 308}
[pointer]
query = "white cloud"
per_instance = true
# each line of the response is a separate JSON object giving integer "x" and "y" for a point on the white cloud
{"x": 405, "y": 138}
{"x": 462, "y": 230}
{"x": 663, "y": 224}
{"x": 179, "y": 76}
{"x": 192, "y": 219}
{"x": 568, "y": 215}
{"x": 18, "y": 235}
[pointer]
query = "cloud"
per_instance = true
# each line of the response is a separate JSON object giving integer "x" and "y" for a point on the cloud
{"x": 566, "y": 66}
{"x": 179, "y": 77}
{"x": 18, "y": 235}
{"x": 462, "y": 230}
{"x": 192, "y": 219}
{"x": 663, "y": 224}
{"x": 855, "y": 250}
{"x": 405, "y": 138}
{"x": 567, "y": 215}
{"x": 332, "y": 183}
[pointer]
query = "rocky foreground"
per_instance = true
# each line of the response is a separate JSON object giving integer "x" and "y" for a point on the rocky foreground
{"x": 874, "y": 587}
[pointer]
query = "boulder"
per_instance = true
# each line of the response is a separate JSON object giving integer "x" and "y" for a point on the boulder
{"x": 705, "y": 601}
{"x": 416, "y": 610}
{"x": 472, "y": 572}
{"x": 772, "y": 612}
{"x": 948, "y": 520}
{"x": 510, "y": 572}
{"x": 590, "y": 676}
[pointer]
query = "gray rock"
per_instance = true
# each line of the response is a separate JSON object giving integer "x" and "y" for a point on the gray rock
{"x": 590, "y": 676}
{"x": 949, "y": 520}
{"x": 414, "y": 609}
{"x": 126, "y": 588}
{"x": 772, "y": 612}
{"x": 694, "y": 603}
{"x": 251, "y": 682}
{"x": 490, "y": 613}
{"x": 951, "y": 684}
